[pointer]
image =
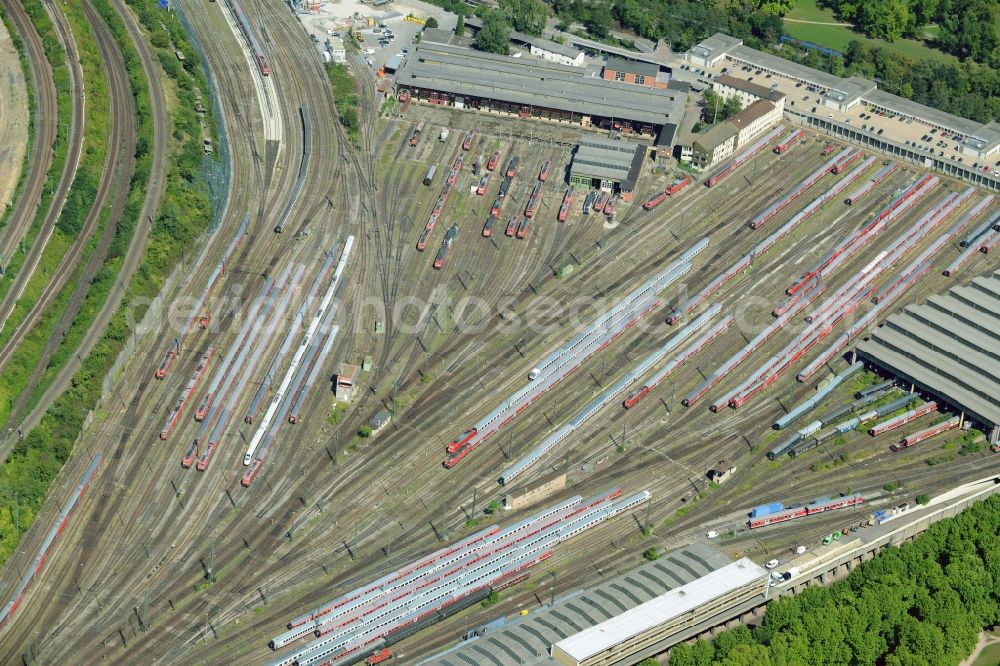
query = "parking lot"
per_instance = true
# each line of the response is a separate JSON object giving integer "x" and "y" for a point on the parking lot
{"x": 341, "y": 18}
{"x": 907, "y": 131}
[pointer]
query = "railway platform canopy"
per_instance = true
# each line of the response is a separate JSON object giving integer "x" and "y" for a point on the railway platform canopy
{"x": 688, "y": 587}
{"x": 948, "y": 347}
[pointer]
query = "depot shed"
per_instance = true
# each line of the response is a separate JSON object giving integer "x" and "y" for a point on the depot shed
{"x": 607, "y": 164}
{"x": 948, "y": 347}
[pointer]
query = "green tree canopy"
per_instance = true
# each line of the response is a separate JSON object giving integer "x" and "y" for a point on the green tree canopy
{"x": 527, "y": 16}
{"x": 922, "y": 603}
{"x": 494, "y": 37}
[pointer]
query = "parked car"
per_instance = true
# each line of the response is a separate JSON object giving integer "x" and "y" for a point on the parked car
{"x": 771, "y": 564}
{"x": 712, "y": 534}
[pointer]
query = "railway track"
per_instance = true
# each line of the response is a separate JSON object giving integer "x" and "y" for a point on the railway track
{"x": 116, "y": 562}
{"x": 114, "y": 191}
{"x": 390, "y": 491}
{"x": 75, "y": 134}
{"x": 45, "y": 122}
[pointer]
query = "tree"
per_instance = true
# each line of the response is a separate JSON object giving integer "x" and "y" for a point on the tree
{"x": 460, "y": 25}
{"x": 732, "y": 106}
{"x": 598, "y": 21}
{"x": 431, "y": 23}
{"x": 651, "y": 554}
{"x": 349, "y": 119}
{"x": 923, "y": 498}
{"x": 714, "y": 107}
{"x": 494, "y": 37}
{"x": 884, "y": 19}
{"x": 365, "y": 431}
{"x": 527, "y": 16}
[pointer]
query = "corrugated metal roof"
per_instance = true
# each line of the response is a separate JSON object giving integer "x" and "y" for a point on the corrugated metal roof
{"x": 527, "y": 640}
{"x": 948, "y": 346}
{"x": 610, "y": 159}
{"x": 535, "y": 82}
{"x": 604, "y": 636}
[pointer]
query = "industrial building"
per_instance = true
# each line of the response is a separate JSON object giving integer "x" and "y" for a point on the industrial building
{"x": 536, "y": 88}
{"x": 747, "y": 92}
{"x": 625, "y": 636}
{"x": 607, "y": 164}
{"x": 713, "y": 146}
{"x": 725, "y": 138}
{"x": 621, "y": 621}
{"x": 948, "y": 346}
{"x": 637, "y": 73}
{"x": 335, "y": 46}
{"x": 347, "y": 382}
{"x": 842, "y": 94}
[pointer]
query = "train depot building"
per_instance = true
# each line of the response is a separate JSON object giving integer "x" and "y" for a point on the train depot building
{"x": 947, "y": 347}
{"x": 526, "y": 87}
{"x": 610, "y": 165}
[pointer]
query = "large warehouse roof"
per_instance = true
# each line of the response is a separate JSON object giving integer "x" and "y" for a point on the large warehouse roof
{"x": 535, "y": 82}
{"x": 950, "y": 346}
{"x": 528, "y": 641}
{"x": 675, "y": 603}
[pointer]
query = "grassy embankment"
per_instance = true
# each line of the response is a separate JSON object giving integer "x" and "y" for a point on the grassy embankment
{"x": 185, "y": 211}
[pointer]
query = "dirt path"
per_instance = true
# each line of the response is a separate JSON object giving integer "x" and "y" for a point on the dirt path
{"x": 14, "y": 115}
{"x": 843, "y": 25}
{"x": 986, "y": 638}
